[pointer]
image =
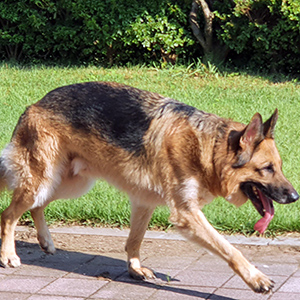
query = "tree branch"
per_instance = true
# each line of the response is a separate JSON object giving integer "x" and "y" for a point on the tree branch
{"x": 206, "y": 40}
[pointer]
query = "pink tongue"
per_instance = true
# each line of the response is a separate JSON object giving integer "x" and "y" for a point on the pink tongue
{"x": 263, "y": 223}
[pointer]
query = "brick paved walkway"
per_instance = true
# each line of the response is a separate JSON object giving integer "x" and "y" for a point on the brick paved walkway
{"x": 98, "y": 269}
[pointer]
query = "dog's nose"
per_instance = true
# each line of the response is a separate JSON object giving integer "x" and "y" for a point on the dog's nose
{"x": 294, "y": 196}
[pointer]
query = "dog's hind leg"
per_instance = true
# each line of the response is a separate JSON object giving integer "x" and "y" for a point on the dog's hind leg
{"x": 22, "y": 200}
{"x": 3, "y": 182}
{"x": 140, "y": 217}
{"x": 43, "y": 234}
{"x": 69, "y": 183}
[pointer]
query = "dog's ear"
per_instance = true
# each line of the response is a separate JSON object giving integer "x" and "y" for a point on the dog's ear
{"x": 269, "y": 125}
{"x": 251, "y": 136}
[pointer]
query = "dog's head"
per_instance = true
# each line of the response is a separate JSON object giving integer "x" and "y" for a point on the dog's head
{"x": 256, "y": 171}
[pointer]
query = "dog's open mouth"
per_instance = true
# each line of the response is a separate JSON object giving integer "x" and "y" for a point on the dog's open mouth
{"x": 261, "y": 202}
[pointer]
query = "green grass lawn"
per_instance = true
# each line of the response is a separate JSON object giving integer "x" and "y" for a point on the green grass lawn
{"x": 234, "y": 96}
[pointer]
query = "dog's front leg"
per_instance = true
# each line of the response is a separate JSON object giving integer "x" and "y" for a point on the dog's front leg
{"x": 140, "y": 217}
{"x": 193, "y": 224}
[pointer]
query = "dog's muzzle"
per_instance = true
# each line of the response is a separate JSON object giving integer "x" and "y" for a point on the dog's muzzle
{"x": 262, "y": 198}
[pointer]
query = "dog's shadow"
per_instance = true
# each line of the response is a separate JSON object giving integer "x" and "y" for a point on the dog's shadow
{"x": 98, "y": 266}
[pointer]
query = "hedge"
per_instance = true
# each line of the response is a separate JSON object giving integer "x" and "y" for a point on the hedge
{"x": 263, "y": 34}
{"x": 105, "y": 31}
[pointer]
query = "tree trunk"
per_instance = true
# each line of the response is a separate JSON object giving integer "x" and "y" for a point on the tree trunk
{"x": 206, "y": 40}
{"x": 212, "y": 53}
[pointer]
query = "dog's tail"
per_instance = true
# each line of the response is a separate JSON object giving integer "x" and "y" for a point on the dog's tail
{"x": 3, "y": 181}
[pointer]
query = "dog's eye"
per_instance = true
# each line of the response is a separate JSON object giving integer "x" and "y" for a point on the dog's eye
{"x": 269, "y": 168}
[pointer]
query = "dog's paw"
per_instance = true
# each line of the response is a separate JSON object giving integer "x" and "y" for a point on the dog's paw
{"x": 46, "y": 245}
{"x": 138, "y": 272}
{"x": 260, "y": 283}
{"x": 12, "y": 261}
{"x": 48, "y": 248}
{"x": 141, "y": 273}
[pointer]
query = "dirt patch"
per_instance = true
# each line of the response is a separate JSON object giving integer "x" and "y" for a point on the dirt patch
{"x": 116, "y": 244}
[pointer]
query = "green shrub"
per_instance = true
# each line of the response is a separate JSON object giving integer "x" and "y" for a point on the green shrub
{"x": 261, "y": 34}
{"x": 106, "y": 31}
{"x": 265, "y": 34}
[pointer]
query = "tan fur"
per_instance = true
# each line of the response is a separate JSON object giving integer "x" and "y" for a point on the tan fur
{"x": 186, "y": 164}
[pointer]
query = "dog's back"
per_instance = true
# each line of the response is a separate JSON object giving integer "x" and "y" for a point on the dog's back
{"x": 113, "y": 112}
{"x": 117, "y": 114}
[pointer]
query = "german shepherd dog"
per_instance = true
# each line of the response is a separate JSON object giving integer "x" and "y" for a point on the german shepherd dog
{"x": 158, "y": 150}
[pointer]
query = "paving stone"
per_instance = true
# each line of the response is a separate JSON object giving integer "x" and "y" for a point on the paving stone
{"x": 267, "y": 258}
{"x": 297, "y": 274}
{"x": 162, "y": 277}
{"x": 66, "y": 259}
{"x": 166, "y": 276}
{"x": 101, "y": 265}
{"x": 95, "y": 271}
{"x": 110, "y": 259}
{"x": 286, "y": 296}
{"x": 13, "y": 296}
{"x": 292, "y": 285}
{"x": 168, "y": 262}
{"x": 202, "y": 278}
{"x": 7, "y": 271}
{"x": 237, "y": 282}
{"x": 179, "y": 292}
{"x": 46, "y": 297}
{"x": 73, "y": 287}
{"x": 277, "y": 268}
{"x": 210, "y": 263}
{"x": 232, "y": 294}
{"x": 24, "y": 284}
{"x": 30, "y": 270}
{"x": 121, "y": 290}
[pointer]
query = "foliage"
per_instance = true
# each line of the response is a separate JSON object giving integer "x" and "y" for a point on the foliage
{"x": 92, "y": 31}
{"x": 264, "y": 33}
{"x": 163, "y": 33}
